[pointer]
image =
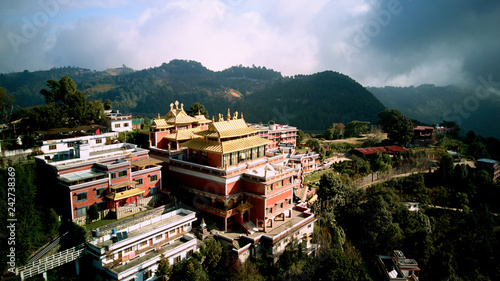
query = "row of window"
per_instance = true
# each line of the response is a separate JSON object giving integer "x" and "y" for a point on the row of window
{"x": 119, "y": 125}
{"x": 278, "y": 206}
{"x": 243, "y": 155}
{"x": 71, "y": 144}
{"x": 99, "y": 192}
{"x": 279, "y": 184}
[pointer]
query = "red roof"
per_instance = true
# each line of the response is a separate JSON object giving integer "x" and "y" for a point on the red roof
{"x": 423, "y": 128}
{"x": 382, "y": 149}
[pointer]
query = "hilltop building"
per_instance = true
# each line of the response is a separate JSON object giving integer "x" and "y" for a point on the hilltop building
{"x": 119, "y": 122}
{"x": 119, "y": 178}
{"x": 277, "y": 134}
{"x": 489, "y": 165}
{"x": 423, "y": 135}
{"x": 397, "y": 267}
{"x": 368, "y": 151}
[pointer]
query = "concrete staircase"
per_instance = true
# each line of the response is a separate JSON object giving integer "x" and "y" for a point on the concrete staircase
{"x": 250, "y": 227}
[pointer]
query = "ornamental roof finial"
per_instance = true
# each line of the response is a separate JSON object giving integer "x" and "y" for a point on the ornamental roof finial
{"x": 176, "y": 104}
{"x": 171, "y": 106}
{"x": 228, "y": 115}
{"x": 182, "y": 106}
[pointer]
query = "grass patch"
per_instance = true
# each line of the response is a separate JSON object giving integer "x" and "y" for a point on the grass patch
{"x": 98, "y": 223}
{"x": 315, "y": 176}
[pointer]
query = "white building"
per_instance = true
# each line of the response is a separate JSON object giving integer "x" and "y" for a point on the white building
{"x": 133, "y": 252}
{"x": 65, "y": 146}
{"x": 120, "y": 122}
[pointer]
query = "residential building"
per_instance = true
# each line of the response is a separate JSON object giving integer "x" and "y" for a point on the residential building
{"x": 120, "y": 122}
{"x": 367, "y": 151}
{"x": 423, "y": 135}
{"x": 277, "y": 134}
{"x": 64, "y": 146}
{"x": 489, "y": 165}
{"x": 134, "y": 251}
{"x": 397, "y": 267}
{"x": 119, "y": 178}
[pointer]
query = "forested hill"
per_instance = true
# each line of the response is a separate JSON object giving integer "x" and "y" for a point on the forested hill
{"x": 473, "y": 111}
{"x": 311, "y": 102}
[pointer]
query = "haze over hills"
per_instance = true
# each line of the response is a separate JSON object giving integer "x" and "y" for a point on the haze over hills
{"x": 311, "y": 102}
{"x": 476, "y": 111}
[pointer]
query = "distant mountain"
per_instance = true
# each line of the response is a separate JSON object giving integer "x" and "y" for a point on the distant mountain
{"x": 432, "y": 104}
{"x": 311, "y": 102}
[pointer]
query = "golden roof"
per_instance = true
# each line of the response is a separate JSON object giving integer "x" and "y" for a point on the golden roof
{"x": 202, "y": 119}
{"x": 160, "y": 123}
{"x": 178, "y": 115}
{"x": 228, "y": 128}
{"x": 125, "y": 194}
{"x": 145, "y": 162}
{"x": 182, "y": 135}
{"x": 122, "y": 184}
{"x": 226, "y": 146}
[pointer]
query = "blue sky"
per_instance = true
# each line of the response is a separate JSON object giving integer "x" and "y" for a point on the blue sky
{"x": 376, "y": 42}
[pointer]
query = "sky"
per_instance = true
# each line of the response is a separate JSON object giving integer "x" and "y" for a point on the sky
{"x": 375, "y": 42}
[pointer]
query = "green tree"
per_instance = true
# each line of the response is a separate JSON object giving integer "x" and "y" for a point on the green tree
{"x": 6, "y": 105}
{"x": 335, "y": 131}
{"x": 164, "y": 269}
{"x": 196, "y": 109}
{"x": 331, "y": 190}
{"x": 356, "y": 128}
{"x": 212, "y": 251}
{"x": 107, "y": 104}
{"x": 300, "y": 137}
{"x": 398, "y": 127}
{"x": 93, "y": 212}
{"x": 478, "y": 150}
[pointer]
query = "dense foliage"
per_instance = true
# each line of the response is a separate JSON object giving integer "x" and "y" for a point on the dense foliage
{"x": 310, "y": 102}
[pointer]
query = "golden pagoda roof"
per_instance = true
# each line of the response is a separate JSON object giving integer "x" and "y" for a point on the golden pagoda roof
{"x": 160, "y": 123}
{"x": 228, "y": 128}
{"x": 202, "y": 119}
{"x": 182, "y": 135}
{"x": 125, "y": 194}
{"x": 226, "y": 146}
{"x": 178, "y": 115}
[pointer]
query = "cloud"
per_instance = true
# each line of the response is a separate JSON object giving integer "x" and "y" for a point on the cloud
{"x": 376, "y": 42}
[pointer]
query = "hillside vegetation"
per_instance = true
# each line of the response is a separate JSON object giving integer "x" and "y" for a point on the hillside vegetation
{"x": 311, "y": 102}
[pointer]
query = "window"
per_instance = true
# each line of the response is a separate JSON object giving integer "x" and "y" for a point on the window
{"x": 113, "y": 176}
{"x": 139, "y": 181}
{"x": 117, "y": 125}
{"x": 98, "y": 141}
{"x": 69, "y": 144}
{"x": 190, "y": 253}
{"x": 279, "y": 184}
{"x": 153, "y": 190}
{"x": 269, "y": 210}
{"x": 269, "y": 188}
{"x": 100, "y": 192}
{"x": 81, "y": 212}
{"x": 81, "y": 196}
{"x": 144, "y": 243}
{"x": 147, "y": 274}
{"x": 52, "y": 146}
{"x": 153, "y": 178}
{"x": 125, "y": 125}
{"x": 122, "y": 174}
{"x": 128, "y": 250}
{"x": 159, "y": 237}
{"x": 177, "y": 259}
{"x": 172, "y": 232}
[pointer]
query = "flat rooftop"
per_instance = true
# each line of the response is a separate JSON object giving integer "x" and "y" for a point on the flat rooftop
{"x": 279, "y": 227}
{"x": 181, "y": 214}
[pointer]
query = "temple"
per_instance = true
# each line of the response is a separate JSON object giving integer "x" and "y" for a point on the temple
{"x": 175, "y": 127}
